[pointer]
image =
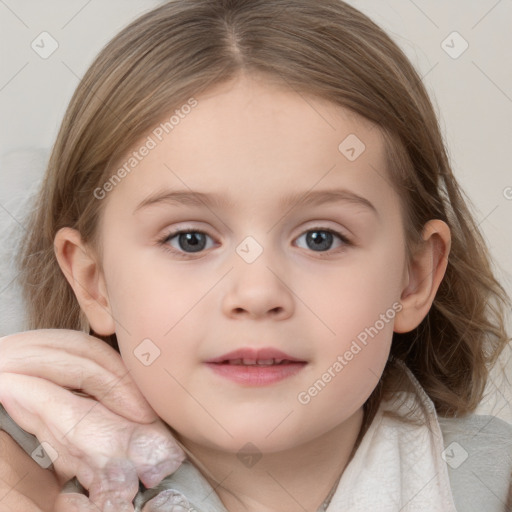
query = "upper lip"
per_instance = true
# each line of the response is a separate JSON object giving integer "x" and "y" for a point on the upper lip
{"x": 255, "y": 354}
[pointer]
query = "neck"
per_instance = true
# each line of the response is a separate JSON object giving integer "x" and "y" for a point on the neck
{"x": 298, "y": 478}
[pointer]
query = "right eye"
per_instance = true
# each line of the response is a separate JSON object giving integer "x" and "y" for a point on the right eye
{"x": 186, "y": 241}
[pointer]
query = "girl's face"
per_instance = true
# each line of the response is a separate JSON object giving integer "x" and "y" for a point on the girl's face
{"x": 292, "y": 241}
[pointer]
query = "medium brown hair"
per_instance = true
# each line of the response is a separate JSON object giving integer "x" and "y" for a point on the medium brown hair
{"x": 327, "y": 49}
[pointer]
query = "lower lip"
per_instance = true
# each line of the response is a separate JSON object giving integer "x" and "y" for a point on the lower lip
{"x": 253, "y": 375}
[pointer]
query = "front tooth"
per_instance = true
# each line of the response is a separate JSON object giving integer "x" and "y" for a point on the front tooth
{"x": 266, "y": 361}
{"x": 235, "y": 361}
{"x": 249, "y": 361}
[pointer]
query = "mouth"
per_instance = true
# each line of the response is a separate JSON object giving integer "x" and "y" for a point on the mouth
{"x": 254, "y": 367}
{"x": 256, "y": 362}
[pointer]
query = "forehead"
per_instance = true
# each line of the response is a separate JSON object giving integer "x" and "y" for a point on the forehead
{"x": 253, "y": 142}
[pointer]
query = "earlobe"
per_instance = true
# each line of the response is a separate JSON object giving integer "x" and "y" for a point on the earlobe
{"x": 424, "y": 275}
{"x": 81, "y": 269}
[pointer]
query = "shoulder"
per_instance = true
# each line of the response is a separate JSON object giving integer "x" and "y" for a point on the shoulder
{"x": 476, "y": 423}
{"x": 478, "y": 454}
{"x": 485, "y": 439}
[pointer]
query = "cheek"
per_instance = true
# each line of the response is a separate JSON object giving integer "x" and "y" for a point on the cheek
{"x": 161, "y": 364}
{"x": 351, "y": 361}
{"x": 150, "y": 296}
{"x": 357, "y": 294}
{"x": 358, "y": 312}
{"x": 157, "y": 313}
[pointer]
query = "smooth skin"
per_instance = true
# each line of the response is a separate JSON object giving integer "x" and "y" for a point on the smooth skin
{"x": 23, "y": 484}
{"x": 254, "y": 143}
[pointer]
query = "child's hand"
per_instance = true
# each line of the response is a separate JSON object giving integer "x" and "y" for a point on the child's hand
{"x": 108, "y": 439}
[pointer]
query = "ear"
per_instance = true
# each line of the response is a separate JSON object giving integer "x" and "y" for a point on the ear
{"x": 424, "y": 275}
{"x": 80, "y": 266}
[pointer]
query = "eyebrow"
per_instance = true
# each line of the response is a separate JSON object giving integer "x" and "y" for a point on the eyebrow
{"x": 196, "y": 198}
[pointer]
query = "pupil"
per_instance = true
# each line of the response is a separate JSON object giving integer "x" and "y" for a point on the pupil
{"x": 196, "y": 241}
{"x": 322, "y": 241}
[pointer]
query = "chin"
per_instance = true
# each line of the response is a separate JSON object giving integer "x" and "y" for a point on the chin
{"x": 245, "y": 439}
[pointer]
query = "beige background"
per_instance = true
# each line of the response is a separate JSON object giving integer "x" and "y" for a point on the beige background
{"x": 472, "y": 91}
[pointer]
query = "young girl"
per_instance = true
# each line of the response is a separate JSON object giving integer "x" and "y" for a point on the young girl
{"x": 253, "y": 203}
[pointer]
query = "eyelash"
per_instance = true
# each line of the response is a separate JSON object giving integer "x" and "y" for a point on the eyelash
{"x": 163, "y": 242}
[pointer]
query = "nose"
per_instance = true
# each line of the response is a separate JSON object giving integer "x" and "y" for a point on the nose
{"x": 257, "y": 290}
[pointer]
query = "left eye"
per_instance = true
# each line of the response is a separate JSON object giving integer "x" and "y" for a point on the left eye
{"x": 320, "y": 240}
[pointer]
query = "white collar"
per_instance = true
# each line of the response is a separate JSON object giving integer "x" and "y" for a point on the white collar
{"x": 398, "y": 466}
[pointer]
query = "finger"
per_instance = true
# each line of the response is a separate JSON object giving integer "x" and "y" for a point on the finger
{"x": 155, "y": 453}
{"x": 31, "y": 399}
{"x": 86, "y": 436}
{"x": 119, "y": 394}
{"x": 72, "y": 425}
{"x": 88, "y": 440}
{"x": 115, "y": 486}
{"x": 30, "y": 411}
{"x": 79, "y": 362}
{"x": 66, "y": 340}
